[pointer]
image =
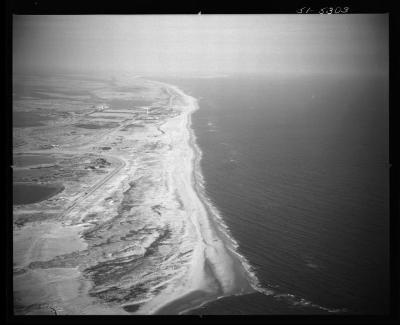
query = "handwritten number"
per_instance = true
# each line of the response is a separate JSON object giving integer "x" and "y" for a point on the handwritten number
{"x": 300, "y": 11}
{"x": 325, "y": 10}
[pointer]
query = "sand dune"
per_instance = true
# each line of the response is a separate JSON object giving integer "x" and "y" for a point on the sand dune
{"x": 145, "y": 237}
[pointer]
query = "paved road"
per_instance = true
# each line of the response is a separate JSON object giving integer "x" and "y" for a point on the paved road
{"x": 81, "y": 150}
{"x": 94, "y": 187}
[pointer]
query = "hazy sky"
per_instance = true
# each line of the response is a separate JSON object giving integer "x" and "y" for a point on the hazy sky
{"x": 206, "y": 44}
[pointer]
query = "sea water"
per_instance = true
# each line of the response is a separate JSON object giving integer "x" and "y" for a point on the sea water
{"x": 298, "y": 170}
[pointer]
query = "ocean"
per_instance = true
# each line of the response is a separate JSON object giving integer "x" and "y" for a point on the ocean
{"x": 298, "y": 169}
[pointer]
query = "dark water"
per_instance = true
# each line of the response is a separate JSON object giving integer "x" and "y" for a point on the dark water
{"x": 298, "y": 167}
{"x": 108, "y": 125}
{"x": 27, "y": 193}
{"x": 28, "y": 119}
{"x": 31, "y": 173}
{"x": 23, "y": 88}
{"x": 30, "y": 160}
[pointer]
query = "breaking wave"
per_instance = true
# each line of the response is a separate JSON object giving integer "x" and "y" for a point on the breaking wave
{"x": 233, "y": 245}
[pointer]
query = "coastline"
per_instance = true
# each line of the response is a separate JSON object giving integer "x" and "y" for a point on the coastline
{"x": 237, "y": 268}
{"x": 141, "y": 236}
{"x": 225, "y": 271}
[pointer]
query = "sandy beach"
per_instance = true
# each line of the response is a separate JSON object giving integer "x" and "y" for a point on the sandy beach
{"x": 215, "y": 271}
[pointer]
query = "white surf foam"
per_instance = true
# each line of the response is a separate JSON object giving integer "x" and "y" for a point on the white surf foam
{"x": 216, "y": 216}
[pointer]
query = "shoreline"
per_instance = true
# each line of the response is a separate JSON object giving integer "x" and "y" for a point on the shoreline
{"x": 141, "y": 237}
{"x": 244, "y": 280}
{"x": 222, "y": 265}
